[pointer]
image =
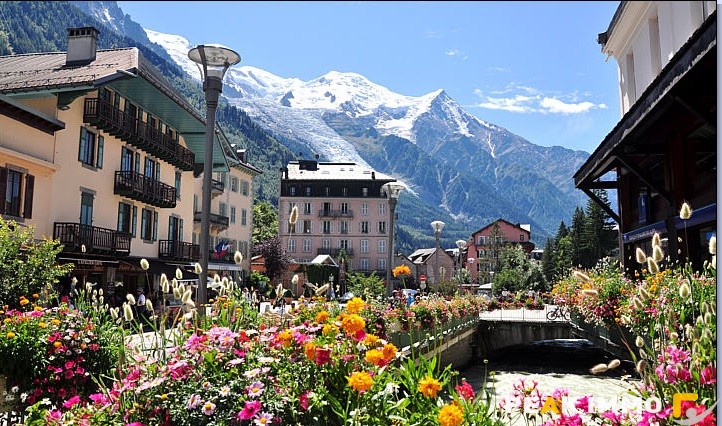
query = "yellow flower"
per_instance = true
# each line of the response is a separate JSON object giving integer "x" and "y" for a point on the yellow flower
{"x": 360, "y": 381}
{"x": 329, "y": 330}
{"x": 164, "y": 396}
{"x": 10, "y": 335}
{"x": 42, "y": 324}
{"x": 57, "y": 344}
{"x": 375, "y": 357}
{"x": 371, "y": 340}
{"x": 429, "y": 386}
{"x": 55, "y": 321}
{"x": 353, "y": 323}
{"x": 322, "y": 316}
{"x": 24, "y": 301}
{"x": 355, "y": 305}
{"x": 450, "y": 415}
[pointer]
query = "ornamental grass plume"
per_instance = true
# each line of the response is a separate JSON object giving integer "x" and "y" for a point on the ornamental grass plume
{"x": 639, "y": 341}
{"x": 237, "y": 257}
{"x": 685, "y": 212}
{"x": 613, "y": 364}
{"x": 713, "y": 245}
{"x": 178, "y": 274}
{"x": 652, "y": 266}
{"x": 144, "y": 264}
{"x": 641, "y": 257}
{"x": 127, "y": 312}
{"x": 293, "y": 218}
{"x": 657, "y": 253}
{"x": 599, "y": 369}
{"x": 130, "y": 298}
{"x": 581, "y": 276}
{"x": 197, "y": 268}
{"x": 294, "y": 279}
{"x": 685, "y": 291}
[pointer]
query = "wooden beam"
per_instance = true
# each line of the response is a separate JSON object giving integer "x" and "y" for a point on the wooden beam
{"x": 641, "y": 176}
{"x": 603, "y": 205}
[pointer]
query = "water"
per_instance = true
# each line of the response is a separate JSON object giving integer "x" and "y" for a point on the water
{"x": 553, "y": 364}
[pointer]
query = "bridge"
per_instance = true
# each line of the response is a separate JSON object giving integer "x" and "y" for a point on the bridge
{"x": 473, "y": 340}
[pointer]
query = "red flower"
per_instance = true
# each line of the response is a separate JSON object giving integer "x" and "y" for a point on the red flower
{"x": 323, "y": 355}
{"x": 465, "y": 390}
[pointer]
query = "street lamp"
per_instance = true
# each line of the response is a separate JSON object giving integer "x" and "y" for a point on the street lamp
{"x": 460, "y": 244}
{"x": 392, "y": 191}
{"x": 213, "y": 61}
{"x": 437, "y": 226}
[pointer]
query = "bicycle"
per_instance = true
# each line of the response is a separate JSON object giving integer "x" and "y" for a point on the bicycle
{"x": 559, "y": 313}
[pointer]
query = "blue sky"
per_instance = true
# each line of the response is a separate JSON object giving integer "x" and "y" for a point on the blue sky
{"x": 534, "y": 68}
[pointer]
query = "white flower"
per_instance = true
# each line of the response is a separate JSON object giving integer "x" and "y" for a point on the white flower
{"x": 144, "y": 264}
{"x": 178, "y": 274}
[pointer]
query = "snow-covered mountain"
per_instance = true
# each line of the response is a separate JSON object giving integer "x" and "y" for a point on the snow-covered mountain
{"x": 472, "y": 169}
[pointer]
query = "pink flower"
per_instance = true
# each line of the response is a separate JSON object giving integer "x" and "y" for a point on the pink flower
{"x": 99, "y": 398}
{"x": 708, "y": 375}
{"x": 249, "y": 410}
{"x": 209, "y": 408}
{"x": 582, "y": 404}
{"x": 135, "y": 424}
{"x": 72, "y": 401}
{"x": 193, "y": 401}
{"x": 322, "y": 356}
{"x": 465, "y": 390}
{"x": 303, "y": 400}
{"x": 254, "y": 389}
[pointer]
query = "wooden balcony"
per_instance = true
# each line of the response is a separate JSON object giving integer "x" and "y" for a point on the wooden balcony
{"x": 145, "y": 189}
{"x": 217, "y": 221}
{"x": 78, "y": 238}
{"x": 178, "y": 250}
{"x": 105, "y": 116}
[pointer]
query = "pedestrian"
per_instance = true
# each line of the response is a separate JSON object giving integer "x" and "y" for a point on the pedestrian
{"x": 140, "y": 308}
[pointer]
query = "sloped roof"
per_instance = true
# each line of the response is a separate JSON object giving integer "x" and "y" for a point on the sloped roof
{"x": 420, "y": 256}
{"x": 335, "y": 171}
{"x": 323, "y": 259}
{"x": 505, "y": 221}
{"x": 125, "y": 70}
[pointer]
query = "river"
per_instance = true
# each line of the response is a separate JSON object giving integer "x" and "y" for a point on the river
{"x": 553, "y": 364}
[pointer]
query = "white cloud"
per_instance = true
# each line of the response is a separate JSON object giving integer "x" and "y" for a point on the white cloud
{"x": 452, "y": 52}
{"x": 525, "y": 99}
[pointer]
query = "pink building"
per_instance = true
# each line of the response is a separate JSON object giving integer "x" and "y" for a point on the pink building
{"x": 341, "y": 207}
{"x": 483, "y": 255}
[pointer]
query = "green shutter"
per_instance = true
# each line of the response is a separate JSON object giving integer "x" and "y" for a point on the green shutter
{"x": 180, "y": 230}
{"x": 120, "y": 217}
{"x": 99, "y": 160}
{"x": 155, "y": 226}
{"x": 137, "y": 162}
{"x": 28, "y": 202}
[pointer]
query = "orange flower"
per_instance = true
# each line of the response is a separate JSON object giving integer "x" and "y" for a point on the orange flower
{"x": 24, "y": 301}
{"x": 35, "y": 296}
{"x": 352, "y": 324}
{"x": 57, "y": 344}
{"x": 429, "y": 386}
{"x": 389, "y": 351}
{"x": 322, "y": 316}
{"x": 401, "y": 270}
{"x": 360, "y": 381}
{"x": 451, "y": 415}
{"x": 355, "y": 305}
{"x": 285, "y": 338}
{"x": 10, "y": 335}
{"x": 375, "y": 357}
{"x": 310, "y": 349}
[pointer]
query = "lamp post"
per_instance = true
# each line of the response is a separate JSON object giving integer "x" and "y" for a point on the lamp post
{"x": 213, "y": 61}
{"x": 392, "y": 191}
{"x": 437, "y": 226}
{"x": 460, "y": 244}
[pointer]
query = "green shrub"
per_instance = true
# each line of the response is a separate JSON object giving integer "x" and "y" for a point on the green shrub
{"x": 26, "y": 265}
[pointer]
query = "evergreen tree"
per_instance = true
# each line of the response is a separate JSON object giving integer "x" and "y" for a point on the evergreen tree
{"x": 599, "y": 237}
{"x": 548, "y": 259}
{"x": 580, "y": 250}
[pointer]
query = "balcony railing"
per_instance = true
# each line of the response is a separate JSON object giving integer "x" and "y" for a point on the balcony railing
{"x": 334, "y": 251}
{"x": 76, "y": 237}
{"x": 335, "y": 213}
{"x": 178, "y": 250}
{"x": 105, "y": 116}
{"x": 215, "y": 219}
{"x": 143, "y": 188}
{"x": 217, "y": 186}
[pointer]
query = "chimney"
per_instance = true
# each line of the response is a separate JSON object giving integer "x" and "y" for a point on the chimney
{"x": 82, "y": 45}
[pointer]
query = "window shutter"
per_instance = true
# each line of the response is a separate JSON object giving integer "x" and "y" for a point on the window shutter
{"x": 29, "y": 188}
{"x": 82, "y": 147}
{"x": 137, "y": 162}
{"x": 155, "y": 226}
{"x": 3, "y": 188}
{"x": 120, "y": 217}
{"x": 99, "y": 160}
{"x": 180, "y": 230}
{"x": 135, "y": 220}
